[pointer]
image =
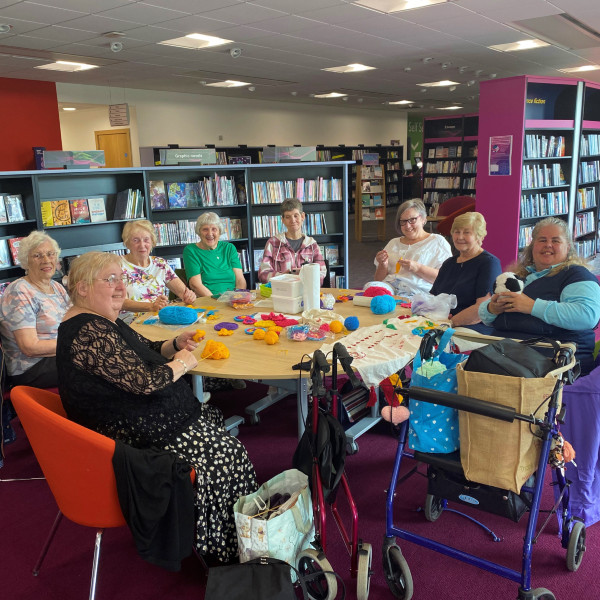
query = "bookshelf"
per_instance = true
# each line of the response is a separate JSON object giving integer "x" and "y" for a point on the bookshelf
{"x": 449, "y": 157}
{"x": 36, "y": 187}
{"x": 371, "y": 189}
{"x": 549, "y": 125}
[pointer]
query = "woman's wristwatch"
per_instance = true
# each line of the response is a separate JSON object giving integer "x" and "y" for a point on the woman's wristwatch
{"x": 175, "y": 345}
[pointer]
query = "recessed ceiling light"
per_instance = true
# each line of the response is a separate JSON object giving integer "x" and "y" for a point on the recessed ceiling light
{"x": 196, "y": 41}
{"x": 391, "y": 6}
{"x": 401, "y": 102}
{"x": 330, "y": 95}
{"x": 64, "y": 65}
{"x": 5, "y": 27}
{"x": 580, "y": 69}
{"x": 448, "y": 107}
{"x": 229, "y": 83}
{"x": 521, "y": 45}
{"x": 352, "y": 68}
{"x": 69, "y": 108}
{"x": 443, "y": 83}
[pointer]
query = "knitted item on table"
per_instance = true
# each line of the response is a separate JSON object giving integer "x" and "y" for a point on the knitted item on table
{"x": 178, "y": 315}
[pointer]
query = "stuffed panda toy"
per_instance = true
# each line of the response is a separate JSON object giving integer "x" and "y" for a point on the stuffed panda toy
{"x": 508, "y": 282}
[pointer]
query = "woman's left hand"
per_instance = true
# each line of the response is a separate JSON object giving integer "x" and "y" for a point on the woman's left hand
{"x": 188, "y": 296}
{"x": 409, "y": 265}
{"x": 185, "y": 341}
{"x": 517, "y": 303}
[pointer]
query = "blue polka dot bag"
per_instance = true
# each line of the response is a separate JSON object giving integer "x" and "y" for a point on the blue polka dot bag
{"x": 432, "y": 427}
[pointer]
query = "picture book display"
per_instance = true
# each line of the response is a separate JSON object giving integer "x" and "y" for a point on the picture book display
{"x": 14, "y": 208}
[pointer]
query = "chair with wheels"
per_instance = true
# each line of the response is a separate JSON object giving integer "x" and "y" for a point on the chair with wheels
{"x": 77, "y": 463}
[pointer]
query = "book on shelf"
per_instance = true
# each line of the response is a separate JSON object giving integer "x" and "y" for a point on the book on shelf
{"x": 4, "y": 255}
{"x": 46, "y": 210}
{"x": 340, "y": 282}
{"x": 13, "y": 244}
{"x": 174, "y": 262}
{"x": 177, "y": 197}
{"x": 379, "y": 214}
{"x": 377, "y": 200}
{"x": 431, "y": 153}
{"x": 366, "y": 214}
{"x": 14, "y": 208}
{"x": 121, "y": 205}
{"x": 439, "y": 151}
{"x": 258, "y": 256}
{"x": 231, "y": 228}
{"x": 376, "y": 188}
{"x": 240, "y": 160}
{"x": 80, "y": 212}
{"x": 365, "y": 186}
{"x": 61, "y": 212}
{"x": 3, "y": 215}
{"x": 129, "y": 205}
{"x": 97, "y": 208}
{"x": 332, "y": 254}
{"x": 158, "y": 195}
{"x": 366, "y": 200}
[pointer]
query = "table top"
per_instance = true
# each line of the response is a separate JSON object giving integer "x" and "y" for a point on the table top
{"x": 255, "y": 359}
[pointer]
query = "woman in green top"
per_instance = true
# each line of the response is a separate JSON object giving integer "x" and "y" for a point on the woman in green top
{"x": 211, "y": 265}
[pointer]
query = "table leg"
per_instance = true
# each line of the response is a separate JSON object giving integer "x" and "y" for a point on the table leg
{"x": 232, "y": 423}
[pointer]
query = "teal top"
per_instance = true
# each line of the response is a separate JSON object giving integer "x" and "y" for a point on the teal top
{"x": 214, "y": 266}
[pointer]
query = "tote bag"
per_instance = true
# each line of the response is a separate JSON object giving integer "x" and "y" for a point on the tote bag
{"x": 432, "y": 427}
{"x": 280, "y": 534}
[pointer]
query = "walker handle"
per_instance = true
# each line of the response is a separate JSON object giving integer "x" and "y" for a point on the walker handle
{"x": 466, "y": 403}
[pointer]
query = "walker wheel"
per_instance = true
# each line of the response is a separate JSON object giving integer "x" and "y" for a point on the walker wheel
{"x": 542, "y": 594}
{"x": 235, "y": 431}
{"x": 254, "y": 419}
{"x": 351, "y": 448}
{"x": 397, "y": 573}
{"x": 321, "y": 588}
{"x": 363, "y": 575}
{"x": 434, "y": 506}
{"x": 576, "y": 546}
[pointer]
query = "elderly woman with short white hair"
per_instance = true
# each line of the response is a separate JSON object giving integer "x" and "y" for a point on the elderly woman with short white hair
{"x": 212, "y": 266}
{"x": 31, "y": 309}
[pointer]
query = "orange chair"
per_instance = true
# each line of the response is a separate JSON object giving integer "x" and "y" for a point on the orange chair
{"x": 77, "y": 463}
{"x": 452, "y": 208}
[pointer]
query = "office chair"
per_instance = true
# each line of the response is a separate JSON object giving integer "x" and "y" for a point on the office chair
{"x": 77, "y": 463}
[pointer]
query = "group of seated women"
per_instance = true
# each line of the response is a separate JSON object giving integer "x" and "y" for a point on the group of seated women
{"x": 115, "y": 381}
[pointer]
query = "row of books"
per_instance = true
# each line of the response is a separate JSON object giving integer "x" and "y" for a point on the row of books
{"x": 541, "y": 146}
{"x": 443, "y": 166}
{"x": 544, "y": 205}
{"x": 470, "y": 166}
{"x": 331, "y": 253}
{"x": 589, "y": 171}
{"x": 585, "y": 248}
{"x": 590, "y": 144}
{"x": 67, "y": 260}
{"x": 373, "y": 214}
{"x": 209, "y": 191}
{"x": 469, "y": 183}
{"x": 9, "y": 252}
{"x": 269, "y": 225}
{"x": 371, "y": 187}
{"x": 129, "y": 205}
{"x": 74, "y": 210}
{"x": 310, "y": 190}
{"x": 445, "y": 152}
{"x": 584, "y": 223}
{"x": 438, "y": 197}
{"x": 11, "y": 208}
{"x": 525, "y": 235}
{"x": 543, "y": 175}
{"x": 586, "y": 198}
{"x": 451, "y": 183}
{"x": 369, "y": 200}
{"x": 372, "y": 172}
{"x": 182, "y": 231}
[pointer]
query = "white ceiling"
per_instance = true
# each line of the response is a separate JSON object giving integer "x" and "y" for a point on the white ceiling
{"x": 286, "y": 43}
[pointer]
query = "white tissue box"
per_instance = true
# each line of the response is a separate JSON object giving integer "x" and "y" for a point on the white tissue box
{"x": 284, "y": 304}
{"x": 287, "y": 285}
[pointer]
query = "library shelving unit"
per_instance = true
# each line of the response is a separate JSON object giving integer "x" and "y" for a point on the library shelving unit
{"x": 537, "y": 137}
{"x": 449, "y": 157}
{"x": 370, "y": 188}
{"x": 328, "y": 213}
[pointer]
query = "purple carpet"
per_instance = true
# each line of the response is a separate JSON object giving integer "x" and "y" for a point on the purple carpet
{"x": 28, "y": 510}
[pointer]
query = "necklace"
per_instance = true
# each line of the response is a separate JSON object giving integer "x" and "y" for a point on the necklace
{"x": 49, "y": 289}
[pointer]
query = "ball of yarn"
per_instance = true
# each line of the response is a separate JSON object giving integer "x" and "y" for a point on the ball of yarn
{"x": 178, "y": 315}
{"x": 380, "y": 305}
{"x": 335, "y": 326}
{"x": 259, "y": 334}
{"x": 351, "y": 323}
{"x": 271, "y": 337}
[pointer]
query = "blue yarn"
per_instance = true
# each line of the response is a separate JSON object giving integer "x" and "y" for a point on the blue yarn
{"x": 178, "y": 315}
{"x": 351, "y": 323}
{"x": 380, "y": 305}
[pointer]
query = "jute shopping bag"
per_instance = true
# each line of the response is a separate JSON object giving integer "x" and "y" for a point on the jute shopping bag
{"x": 494, "y": 452}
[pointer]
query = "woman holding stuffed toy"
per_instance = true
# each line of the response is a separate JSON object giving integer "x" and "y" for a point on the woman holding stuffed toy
{"x": 469, "y": 276}
{"x": 410, "y": 263}
{"x": 561, "y": 298}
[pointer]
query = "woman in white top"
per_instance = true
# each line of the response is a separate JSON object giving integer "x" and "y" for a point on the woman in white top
{"x": 410, "y": 263}
{"x": 148, "y": 278}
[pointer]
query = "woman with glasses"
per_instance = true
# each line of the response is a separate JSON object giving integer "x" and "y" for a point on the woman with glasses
{"x": 31, "y": 309}
{"x": 122, "y": 385}
{"x": 149, "y": 278}
{"x": 410, "y": 263}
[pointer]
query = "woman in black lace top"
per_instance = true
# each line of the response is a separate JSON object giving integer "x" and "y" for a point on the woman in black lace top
{"x": 124, "y": 386}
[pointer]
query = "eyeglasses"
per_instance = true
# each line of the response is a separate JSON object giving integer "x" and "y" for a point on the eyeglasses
{"x": 112, "y": 280}
{"x": 411, "y": 221}
{"x": 42, "y": 255}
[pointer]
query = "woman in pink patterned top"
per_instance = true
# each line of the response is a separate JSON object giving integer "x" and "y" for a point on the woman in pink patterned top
{"x": 31, "y": 310}
{"x": 148, "y": 278}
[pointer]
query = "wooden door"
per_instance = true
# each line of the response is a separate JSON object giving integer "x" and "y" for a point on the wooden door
{"x": 116, "y": 144}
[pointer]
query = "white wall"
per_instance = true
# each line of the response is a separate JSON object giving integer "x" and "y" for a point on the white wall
{"x": 195, "y": 120}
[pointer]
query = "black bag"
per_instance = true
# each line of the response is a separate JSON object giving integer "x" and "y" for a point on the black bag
{"x": 259, "y": 579}
{"x": 511, "y": 358}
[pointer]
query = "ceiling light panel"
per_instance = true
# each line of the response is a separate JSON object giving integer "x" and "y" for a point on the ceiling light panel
{"x": 449, "y": 107}
{"x": 401, "y": 102}
{"x": 352, "y": 68}
{"x": 330, "y": 95}
{"x": 581, "y": 69}
{"x": 196, "y": 41}
{"x": 520, "y": 45}
{"x": 443, "y": 83}
{"x": 392, "y": 6}
{"x": 68, "y": 67}
{"x": 229, "y": 83}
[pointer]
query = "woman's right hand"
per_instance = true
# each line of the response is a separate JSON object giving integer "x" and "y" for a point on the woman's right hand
{"x": 160, "y": 302}
{"x": 382, "y": 258}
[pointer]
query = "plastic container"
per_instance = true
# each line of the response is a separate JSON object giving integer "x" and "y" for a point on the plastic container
{"x": 286, "y": 285}
{"x": 284, "y": 304}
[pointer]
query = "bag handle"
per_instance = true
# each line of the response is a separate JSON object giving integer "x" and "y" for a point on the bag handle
{"x": 545, "y": 340}
{"x": 444, "y": 341}
{"x": 303, "y": 526}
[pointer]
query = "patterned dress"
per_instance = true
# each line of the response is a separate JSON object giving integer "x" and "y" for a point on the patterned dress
{"x": 116, "y": 382}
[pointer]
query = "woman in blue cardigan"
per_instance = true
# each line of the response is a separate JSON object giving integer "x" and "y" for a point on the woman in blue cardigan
{"x": 561, "y": 298}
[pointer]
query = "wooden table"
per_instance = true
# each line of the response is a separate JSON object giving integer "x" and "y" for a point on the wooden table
{"x": 255, "y": 359}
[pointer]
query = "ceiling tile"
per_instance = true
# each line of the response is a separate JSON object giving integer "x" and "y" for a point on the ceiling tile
{"x": 243, "y": 14}
{"x": 28, "y": 11}
{"x": 87, "y": 6}
{"x": 61, "y": 34}
{"x": 144, "y": 14}
{"x": 100, "y": 24}
{"x": 193, "y": 6}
